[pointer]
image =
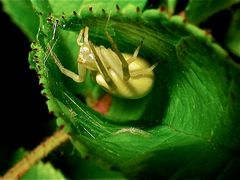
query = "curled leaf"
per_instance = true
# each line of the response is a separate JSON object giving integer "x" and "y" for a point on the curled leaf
{"x": 188, "y": 121}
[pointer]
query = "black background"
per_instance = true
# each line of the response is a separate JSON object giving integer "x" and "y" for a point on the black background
{"x": 24, "y": 115}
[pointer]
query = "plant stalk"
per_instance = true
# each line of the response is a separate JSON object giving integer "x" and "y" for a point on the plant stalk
{"x": 41, "y": 151}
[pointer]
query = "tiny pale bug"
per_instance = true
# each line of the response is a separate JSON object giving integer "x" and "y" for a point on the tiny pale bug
{"x": 124, "y": 75}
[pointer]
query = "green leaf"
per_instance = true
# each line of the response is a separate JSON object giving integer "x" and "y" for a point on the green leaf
{"x": 42, "y": 7}
{"x": 23, "y": 15}
{"x": 18, "y": 155}
{"x": 111, "y": 5}
{"x": 68, "y": 7}
{"x": 232, "y": 39}
{"x": 195, "y": 9}
{"x": 43, "y": 171}
{"x": 171, "y": 4}
{"x": 185, "y": 127}
{"x": 84, "y": 168}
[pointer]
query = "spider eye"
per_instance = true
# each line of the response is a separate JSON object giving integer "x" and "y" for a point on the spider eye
{"x": 86, "y": 54}
{"x": 84, "y": 50}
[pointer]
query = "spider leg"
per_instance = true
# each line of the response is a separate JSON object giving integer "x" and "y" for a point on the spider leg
{"x": 79, "y": 39}
{"x": 80, "y": 77}
{"x": 143, "y": 72}
{"x": 103, "y": 69}
{"x": 135, "y": 54}
{"x": 125, "y": 69}
{"x": 83, "y": 34}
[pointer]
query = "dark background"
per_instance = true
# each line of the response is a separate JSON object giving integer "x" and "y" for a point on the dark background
{"x": 24, "y": 115}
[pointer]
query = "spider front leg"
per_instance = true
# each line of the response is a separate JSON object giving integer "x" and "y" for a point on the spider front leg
{"x": 80, "y": 77}
{"x": 125, "y": 68}
{"x": 103, "y": 69}
{"x": 83, "y": 34}
{"x": 86, "y": 50}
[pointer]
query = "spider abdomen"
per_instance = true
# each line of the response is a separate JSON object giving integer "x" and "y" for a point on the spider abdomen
{"x": 138, "y": 85}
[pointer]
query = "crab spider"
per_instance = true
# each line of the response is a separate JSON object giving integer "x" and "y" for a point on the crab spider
{"x": 124, "y": 75}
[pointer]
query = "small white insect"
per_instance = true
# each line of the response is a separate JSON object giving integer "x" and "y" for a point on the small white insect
{"x": 124, "y": 75}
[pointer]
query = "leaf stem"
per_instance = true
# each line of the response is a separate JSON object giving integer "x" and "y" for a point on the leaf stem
{"x": 41, "y": 151}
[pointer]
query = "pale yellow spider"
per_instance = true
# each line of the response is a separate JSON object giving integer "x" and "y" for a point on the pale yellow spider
{"x": 121, "y": 74}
